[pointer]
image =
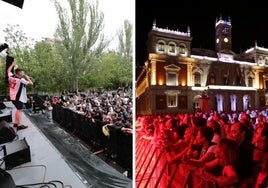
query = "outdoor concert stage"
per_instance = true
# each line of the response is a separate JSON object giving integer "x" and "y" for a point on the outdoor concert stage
{"x": 58, "y": 157}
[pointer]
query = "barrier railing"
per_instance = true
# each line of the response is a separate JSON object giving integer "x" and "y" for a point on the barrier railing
{"x": 117, "y": 146}
{"x": 153, "y": 170}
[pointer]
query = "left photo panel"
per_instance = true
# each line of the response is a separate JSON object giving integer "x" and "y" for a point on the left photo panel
{"x": 67, "y": 93}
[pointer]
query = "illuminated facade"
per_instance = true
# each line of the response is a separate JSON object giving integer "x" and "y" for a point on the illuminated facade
{"x": 175, "y": 76}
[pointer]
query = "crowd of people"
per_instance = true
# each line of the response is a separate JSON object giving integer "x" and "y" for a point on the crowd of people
{"x": 224, "y": 149}
{"x": 103, "y": 106}
{"x": 101, "y": 118}
{"x": 109, "y": 111}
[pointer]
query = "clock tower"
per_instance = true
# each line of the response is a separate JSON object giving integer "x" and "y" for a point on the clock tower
{"x": 223, "y": 35}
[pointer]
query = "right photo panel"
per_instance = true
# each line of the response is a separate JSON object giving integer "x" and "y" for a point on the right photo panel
{"x": 201, "y": 96}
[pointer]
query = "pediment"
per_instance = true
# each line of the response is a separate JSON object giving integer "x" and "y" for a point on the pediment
{"x": 172, "y": 67}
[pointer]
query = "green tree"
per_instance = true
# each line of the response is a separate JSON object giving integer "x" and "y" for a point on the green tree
{"x": 19, "y": 48}
{"x": 17, "y": 39}
{"x": 48, "y": 70}
{"x": 19, "y": 44}
{"x": 114, "y": 68}
{"x": 125, "y": 52}
{"x": 125, "y": 47}
{"x": 76, "y": 55}
{"x": 79, "y": 38}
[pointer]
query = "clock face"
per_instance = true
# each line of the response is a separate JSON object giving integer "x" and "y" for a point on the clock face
{"x": 225, "y": 30}
{"x": 225, "y": 39}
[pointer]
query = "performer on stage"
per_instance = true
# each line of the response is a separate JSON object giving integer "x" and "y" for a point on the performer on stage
{"x": 17, "y": 92}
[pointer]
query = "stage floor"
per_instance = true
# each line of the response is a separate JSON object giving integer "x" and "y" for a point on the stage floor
{"x": 56, "y": 156}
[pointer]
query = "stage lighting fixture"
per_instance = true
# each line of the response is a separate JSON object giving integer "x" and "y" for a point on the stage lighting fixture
{"x": 3, "y": 47}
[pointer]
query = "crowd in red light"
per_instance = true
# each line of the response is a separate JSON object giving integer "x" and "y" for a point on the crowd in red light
{"x": 230, "y": 149}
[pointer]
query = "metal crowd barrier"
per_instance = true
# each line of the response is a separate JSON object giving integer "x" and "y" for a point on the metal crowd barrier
{"x": 153, "y": 170}
{"x": 117, "y": 146}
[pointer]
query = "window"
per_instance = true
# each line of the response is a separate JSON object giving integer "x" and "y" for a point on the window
{"x": 171, "y": 48}
{"x": 161, "y": 46}
{"x": 172, "y": 79}
{"x": 212, "y": 79}
{"x": 181, "y": 49}
{"x": 172, "y": 100}
{"x": 261, "y": 60}
{"x": 250, "y": 79}
{"x": 266, "y": 61}
{"x": 197, "y": 76}
{"x": 172, "y": 75}
{"x": 197, "y": 79}
{"x": 196, "y": 101}
{"x": 250, "y": 82}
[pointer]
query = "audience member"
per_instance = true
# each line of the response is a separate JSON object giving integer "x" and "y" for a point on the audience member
{"x": 203, "y": 140}
{"x": 222, "y": 170}
{"x": 239, "y": 133}
{"x": 259, "y": 179}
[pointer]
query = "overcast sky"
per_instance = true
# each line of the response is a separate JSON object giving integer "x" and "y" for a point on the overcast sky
{"x": 38, "y": 18}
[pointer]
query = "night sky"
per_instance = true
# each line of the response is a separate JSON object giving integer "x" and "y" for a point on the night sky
{"x": 249, "y": 22}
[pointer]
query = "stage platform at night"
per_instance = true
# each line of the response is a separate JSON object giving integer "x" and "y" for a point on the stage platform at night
{"x": 58, "y": 158}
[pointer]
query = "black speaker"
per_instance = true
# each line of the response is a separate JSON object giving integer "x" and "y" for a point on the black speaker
{"x": 7, "y": 133}
{"x": 16, "y": 153}
{"x": 3, "y": 47}
{"x": 6, "y": 180}
{"x": 2, "y": 106}
{"x": 18, "y": 3}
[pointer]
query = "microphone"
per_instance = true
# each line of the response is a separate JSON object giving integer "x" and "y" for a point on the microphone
{"x": 26, "y": 76}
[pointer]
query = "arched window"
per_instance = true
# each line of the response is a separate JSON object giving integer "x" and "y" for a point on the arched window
{"x": 250, "y": 78}
{"x": 266, "y": 61}
{"x": 250, "y": 81}
{"x": 182, "y": 49}
{"x": 212, "y": 79}
{"x": 261, "y": 60}
{"x": 161, "y": 46}
{"x": 197, "y": 79}
{"x": 172, "y": 48}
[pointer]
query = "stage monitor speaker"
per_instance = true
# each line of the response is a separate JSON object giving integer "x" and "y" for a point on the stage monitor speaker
{"x": 16, "y": 153}
{"x": 6, "y": 180}
{"x": 7, "y": 133}
{"x": 2, "y": 106}
{"x": 18, "y": 3}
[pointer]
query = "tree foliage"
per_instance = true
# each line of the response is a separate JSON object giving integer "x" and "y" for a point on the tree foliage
{"x": 114, "y": 68}
{"x": 79, "y": 37}
{"x": 76, "y": 58}
{"x": 125, "y": 52}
